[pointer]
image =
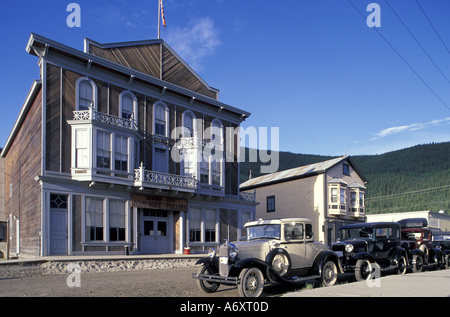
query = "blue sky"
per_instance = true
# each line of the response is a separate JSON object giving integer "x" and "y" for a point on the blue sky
{"x": 313, "y": 68}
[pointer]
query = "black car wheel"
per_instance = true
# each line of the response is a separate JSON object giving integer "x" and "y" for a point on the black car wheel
{"x": 418, "y": 263}
{"x": 206, "y": 286}
{"x": 329, "y": 273}
{"x": 251, "y": 282}
{"x": 401, "y": 265}
{"x": 363, "y": 270}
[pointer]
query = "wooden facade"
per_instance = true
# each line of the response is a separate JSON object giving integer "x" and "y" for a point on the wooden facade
{"x": 54, "y": 197}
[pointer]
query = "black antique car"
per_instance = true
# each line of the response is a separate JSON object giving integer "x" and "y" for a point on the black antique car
{"x": 417, "y": 240}
{"x": 364, "y": 247}
{"x": 278, "y": 250}
{"x": 441, "y": 240}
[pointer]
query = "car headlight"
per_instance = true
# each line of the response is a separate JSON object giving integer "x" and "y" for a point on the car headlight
{"x": 233, "y": 251}
{"x": 212, "y": 253}
{"x": 349, "y": 248}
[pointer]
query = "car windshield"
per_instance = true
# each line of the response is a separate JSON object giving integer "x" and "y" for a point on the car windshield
{"x": 411, "y": 235}
{"x": 264, "y": 232}
{"x": 352, "y": 233}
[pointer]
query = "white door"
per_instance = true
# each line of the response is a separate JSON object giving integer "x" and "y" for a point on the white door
{"x": 58, "y": 232}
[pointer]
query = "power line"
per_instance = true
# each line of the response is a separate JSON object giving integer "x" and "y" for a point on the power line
{"x": 435, "y": 31}
{"x": 402, "y": 58}
{"x": 418, "y": 43}
{"x": 420, "y": 191}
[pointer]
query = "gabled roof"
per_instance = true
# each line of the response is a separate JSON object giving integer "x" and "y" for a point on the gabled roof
{"x": 41, "y": 46}
{"x": 297, "y": 173}
{"x": 155, "y": 58}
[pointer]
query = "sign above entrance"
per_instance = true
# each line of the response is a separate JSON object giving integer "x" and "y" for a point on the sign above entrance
{"x": 158, "y": 202}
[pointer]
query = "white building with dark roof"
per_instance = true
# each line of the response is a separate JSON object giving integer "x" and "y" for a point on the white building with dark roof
{"x": 331, "y": 193}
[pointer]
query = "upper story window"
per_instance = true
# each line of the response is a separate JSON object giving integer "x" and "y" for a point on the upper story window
{"x": 188, "y": 124}
{"x": 86, "y": 94}
{"x": 128, "y": 106}
{"x": 216, "y": 131}
{"x": 161, "y": 115}
{"x": 346, "y": 169}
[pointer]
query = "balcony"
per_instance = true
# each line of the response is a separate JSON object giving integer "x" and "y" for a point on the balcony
{"x": 92, "y": 115}
{"x": 152, "y": 179}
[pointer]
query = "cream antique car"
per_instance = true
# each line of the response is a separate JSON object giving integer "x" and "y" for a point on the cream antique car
{"x": 280, "y": 251}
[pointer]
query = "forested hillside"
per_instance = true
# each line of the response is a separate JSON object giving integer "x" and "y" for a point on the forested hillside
{"x": 412, "y": 179}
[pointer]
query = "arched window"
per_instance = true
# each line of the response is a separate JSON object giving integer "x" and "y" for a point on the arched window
{"x": 86, "y": 94}
{"x": 188, "y": 124}
{"x": 128, "y": 106}
{"x": 216, "y": 131}
{"x": 161, "y": 114}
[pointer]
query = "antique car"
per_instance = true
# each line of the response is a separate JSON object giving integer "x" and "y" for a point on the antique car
{"x": 279, "y": 251}
{"x": 417, "y": 236}
{"x": 365, "y": 247}
{"x": 441, "y": 240}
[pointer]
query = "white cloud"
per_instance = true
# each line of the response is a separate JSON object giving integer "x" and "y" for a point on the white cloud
{"x": 410, "y": 127}
{"x": 194, "y": 42}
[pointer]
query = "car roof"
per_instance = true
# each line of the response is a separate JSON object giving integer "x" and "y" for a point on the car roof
{"x": 276, "y": 221}
{"x": 370, "y": 224}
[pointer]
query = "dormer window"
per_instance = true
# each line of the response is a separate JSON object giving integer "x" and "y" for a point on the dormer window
{"x": 86, "y": 94}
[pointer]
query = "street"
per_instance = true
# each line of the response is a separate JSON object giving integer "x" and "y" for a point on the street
{"x": 178, "y": 282}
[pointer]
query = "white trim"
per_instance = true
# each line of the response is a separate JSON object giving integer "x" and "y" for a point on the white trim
{"x": 77, "y": 93}
{"x": 166, "y": 115}
{"x": 135, "y": 104}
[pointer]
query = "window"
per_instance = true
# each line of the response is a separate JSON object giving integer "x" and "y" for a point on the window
{"x": 127, "y": 105}
{"x": 270, "y": 203}
{"x": 160, "y": 115}
{"x": 334, "y": 195}
{"x": 103, "y": 150}
{"x": 346, "y": 169}
{"x": 81, "y": 148}
{"x": 204, "y": 171}
{"x": 117, "y": 216}
{"x": 361, "y": 199}
{"x": 215, "y": 172}
{"x": 188, "y": 124}
{"x": 342, "y": 196}
{"x": 86, "y": 94}
{"x": 216, "y": 131}
{"x": 246, "y": 216}
{"x": 195, "y": 216}
{"x": 210, "y": 225}
{"x": 121, "y": 154}
{"x": 94, "y": 219}
{"x": 188, "y": 162}
{"x": 293, "y": 231}
{"x": 58, "y": 201}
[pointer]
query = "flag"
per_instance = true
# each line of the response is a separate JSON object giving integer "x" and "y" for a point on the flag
{"x": 162, "y": 14}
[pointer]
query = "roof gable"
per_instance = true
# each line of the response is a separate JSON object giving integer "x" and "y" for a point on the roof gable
{"x": 296, "y": 173}
{"x": 154, "y": 58}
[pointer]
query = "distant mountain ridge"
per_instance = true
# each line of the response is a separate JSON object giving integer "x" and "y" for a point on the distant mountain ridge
{"x": 411, "y": 179}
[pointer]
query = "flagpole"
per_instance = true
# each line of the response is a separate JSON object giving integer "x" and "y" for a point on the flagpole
{"x": 159, "y": 19}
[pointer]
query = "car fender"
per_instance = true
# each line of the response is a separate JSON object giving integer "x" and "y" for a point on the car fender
{"x": 245, "y": 263}
{"x": 361, "y": 256}
{"x": 213, "y": 263}
{"x": 396, "y": 252}
{"x": 322, "y": 257}
{"x": 413, "y": 252}
{"x": 434, "y": 255}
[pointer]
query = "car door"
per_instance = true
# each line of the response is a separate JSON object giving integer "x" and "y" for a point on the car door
{"x": 295, "y": 244}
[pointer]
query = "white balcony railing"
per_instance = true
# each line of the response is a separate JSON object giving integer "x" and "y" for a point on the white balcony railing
{"x": 143, "y": 177}
{"x": 91, "y": 114}
{"x": 248, "y": 196}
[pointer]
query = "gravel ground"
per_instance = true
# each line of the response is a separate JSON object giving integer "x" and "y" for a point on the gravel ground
{"x": 54, "y": 268}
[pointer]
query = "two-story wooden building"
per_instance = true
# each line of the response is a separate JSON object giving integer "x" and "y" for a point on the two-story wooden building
{"x": 121, "y": 149}
{"x": 331, "y": 193}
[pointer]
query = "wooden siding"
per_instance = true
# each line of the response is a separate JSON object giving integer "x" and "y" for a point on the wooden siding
{"x": 53, "y": 119}
{"x": 143, "y": 58}
{"x": 176, "y": 73}
{"x": 22, "y": 165}
{"x": 147, "y": 59}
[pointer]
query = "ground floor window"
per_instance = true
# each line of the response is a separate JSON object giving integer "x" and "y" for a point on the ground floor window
{"x": 117, "y": 223}
{"x": 94, "y": 219}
